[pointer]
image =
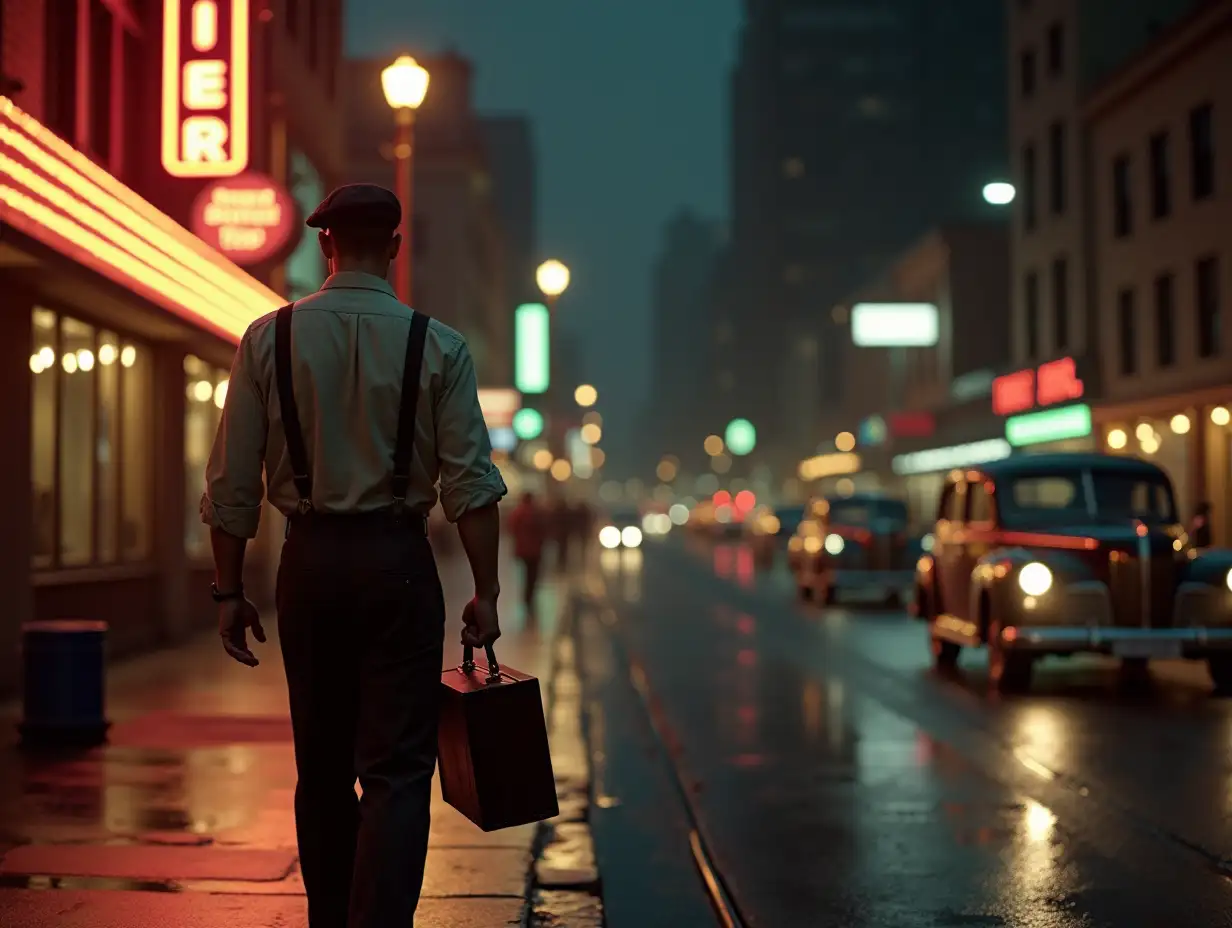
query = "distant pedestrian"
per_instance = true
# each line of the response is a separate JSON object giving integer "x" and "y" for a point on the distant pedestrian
{"x": 355, "y": 406}
{"x": 1200, "y": 526}
{"x": 582, "y": 525}
{"x": 528, "y": 526}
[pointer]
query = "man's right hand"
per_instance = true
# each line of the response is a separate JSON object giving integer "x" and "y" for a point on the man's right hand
{"x": 480, "y": 623}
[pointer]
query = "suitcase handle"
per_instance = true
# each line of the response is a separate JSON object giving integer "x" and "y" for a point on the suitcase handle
{"x": 468, "y": 662}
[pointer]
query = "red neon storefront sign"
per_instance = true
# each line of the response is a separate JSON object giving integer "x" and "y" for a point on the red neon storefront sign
{"x": 205, "y": 87}
{"x": 1049, "y": 384}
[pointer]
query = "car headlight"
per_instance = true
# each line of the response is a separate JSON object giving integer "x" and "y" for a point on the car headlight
{"x": 631, "y": 536}
{"x": 835, "y": 544}
{"x": 1035, "y": 579}
{"x": 1228, "y": 579}
{"x": 609, "y": 537}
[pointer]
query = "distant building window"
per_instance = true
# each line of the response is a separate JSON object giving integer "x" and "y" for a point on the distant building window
{"x": 1060, "y": 303}
{"x": 1161, "y": 181}
{"x": 315, "y": 27}
{"x": 1122, "y": 200}
{"x": 1201, "y": 152}
{"x": 1165, "y": 340}
{"x": 1031, "y": 314}
{"x": 1206, "y": 294}
{"x": 1026, "y": 72}
{"x": 1056, "y": 49}
{"x": 101, "y": 38}
{"x": 60, "y": 72}
{"x": 1127, "y": 332}
{"x": 1056, "y": 167}
{"x": 1029, "y": 186}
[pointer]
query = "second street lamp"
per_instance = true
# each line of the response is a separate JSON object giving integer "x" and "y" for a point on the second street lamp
{"x": 405, "y": 84}
{"x": 553, "y": 279}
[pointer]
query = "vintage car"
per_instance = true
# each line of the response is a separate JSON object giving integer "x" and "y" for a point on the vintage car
{"x": 1061, "y": 554}
{"x": 853, "y": 543}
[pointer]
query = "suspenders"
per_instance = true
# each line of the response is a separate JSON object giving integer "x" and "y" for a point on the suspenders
{"x": 404, "y": 446}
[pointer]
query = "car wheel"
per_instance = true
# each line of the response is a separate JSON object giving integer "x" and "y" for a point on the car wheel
{"x": 1220, "y": 668}
{"x": 1009, "y": 671}
{"x": 945, "y": 653}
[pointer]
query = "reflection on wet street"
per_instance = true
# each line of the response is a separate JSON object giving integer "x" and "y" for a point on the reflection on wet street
{"x": 838, "y": 781}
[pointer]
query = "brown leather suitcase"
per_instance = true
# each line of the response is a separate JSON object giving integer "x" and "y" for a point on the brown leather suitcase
{"x": 495, "y": 765}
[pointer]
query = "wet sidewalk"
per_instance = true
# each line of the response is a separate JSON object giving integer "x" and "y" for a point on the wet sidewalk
{"x": 185, "y": 818}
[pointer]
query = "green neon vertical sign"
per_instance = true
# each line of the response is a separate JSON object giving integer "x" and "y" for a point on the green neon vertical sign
{"x": 532, "y": 351}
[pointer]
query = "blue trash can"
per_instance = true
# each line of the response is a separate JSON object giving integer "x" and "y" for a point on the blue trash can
{"x": 64, "y": 700}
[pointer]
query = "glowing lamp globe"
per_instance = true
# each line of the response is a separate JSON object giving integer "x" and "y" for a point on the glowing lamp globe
{"x": 741, "y": 437}
{"x": 405, "y": 83}
{"x": 553, "y": 278}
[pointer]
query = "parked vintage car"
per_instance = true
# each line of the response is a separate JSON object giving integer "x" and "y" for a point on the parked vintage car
{"x": 1061, "y": 554}
{"x": 853, "y": 543}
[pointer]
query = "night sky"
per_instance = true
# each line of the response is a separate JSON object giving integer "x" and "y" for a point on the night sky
{"x": 629, "y": 104}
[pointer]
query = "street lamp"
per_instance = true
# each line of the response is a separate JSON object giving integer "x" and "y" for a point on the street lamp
{"x": 586, "y": 396}
{"x": 553, "y": 279}
{"x": 405, "y": 84}
{"x": 999, "y": 193}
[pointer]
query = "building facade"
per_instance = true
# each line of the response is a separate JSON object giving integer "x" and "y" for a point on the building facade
{"x": 911, "y": 413}
{"x": 856, "y": 127}
{"x": 1112, "y": 117}
{"x": 459, "y": 249}
{"x": 1160, "y": 135}
{"x": 681, "y": 415}
{"x": 510, "y": 147}
{"x": 120, "y": 323}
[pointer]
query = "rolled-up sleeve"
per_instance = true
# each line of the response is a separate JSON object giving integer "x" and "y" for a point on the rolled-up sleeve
{"x": 469, "y": 479}
{"x": 233, "y": 486}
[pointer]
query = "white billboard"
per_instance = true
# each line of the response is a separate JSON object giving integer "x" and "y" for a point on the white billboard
{"x": 894, "y": 325}
{"x": 938, "y": 459}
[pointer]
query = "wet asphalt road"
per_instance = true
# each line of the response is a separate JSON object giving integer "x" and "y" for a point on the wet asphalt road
{"x": 838, "y": 782}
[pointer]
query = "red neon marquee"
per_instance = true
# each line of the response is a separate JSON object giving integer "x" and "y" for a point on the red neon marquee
{"x": 1049, "y": 384}
{"x": 56, "y": 195}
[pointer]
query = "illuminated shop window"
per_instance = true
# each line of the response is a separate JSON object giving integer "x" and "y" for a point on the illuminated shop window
{"x": 205, "y": 393}
{"x": 89, "y": 444}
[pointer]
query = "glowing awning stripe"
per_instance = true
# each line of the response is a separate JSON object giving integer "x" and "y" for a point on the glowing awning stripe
{"x": 65, "y": 200}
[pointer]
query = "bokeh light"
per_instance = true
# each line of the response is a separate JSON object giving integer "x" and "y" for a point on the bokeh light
{"x": 713, "y": 445}
{"x": 586, "y": 395}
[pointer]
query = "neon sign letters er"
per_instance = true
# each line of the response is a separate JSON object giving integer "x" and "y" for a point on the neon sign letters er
{"x": 205, "y": 87}
{"x": 1049, "y": 384}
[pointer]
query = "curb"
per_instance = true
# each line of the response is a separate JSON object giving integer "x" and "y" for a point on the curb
{"x": 564, "y": 888}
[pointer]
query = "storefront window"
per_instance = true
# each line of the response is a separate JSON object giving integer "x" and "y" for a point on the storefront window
{"x": 137, "y": 384}
{"x": 206, "y": 390}
{"x": 90, "y": 472}
{"x": 44, "y": 351}
{"x": 77, "y": 381}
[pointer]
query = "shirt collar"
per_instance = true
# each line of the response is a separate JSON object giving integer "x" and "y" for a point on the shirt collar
{"x": 358, "y": 280}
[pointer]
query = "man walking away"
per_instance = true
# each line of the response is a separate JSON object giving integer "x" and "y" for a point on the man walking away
{"x": 354, "y": 406}
{"x": 528, "y": 526}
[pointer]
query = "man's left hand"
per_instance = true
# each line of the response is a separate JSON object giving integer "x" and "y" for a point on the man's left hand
{"x": 235, "y": 617}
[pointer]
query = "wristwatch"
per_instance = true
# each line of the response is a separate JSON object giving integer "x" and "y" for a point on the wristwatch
{"x": 221, "y": 597}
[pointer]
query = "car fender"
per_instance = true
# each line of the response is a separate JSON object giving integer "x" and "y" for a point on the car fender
{"x": 995, "y": 576}
{"x": 1211, "y": 565}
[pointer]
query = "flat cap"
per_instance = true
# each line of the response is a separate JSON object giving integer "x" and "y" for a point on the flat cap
{"x": 358, "y": 205}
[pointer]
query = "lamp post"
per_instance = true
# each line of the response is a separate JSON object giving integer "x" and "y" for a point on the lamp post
{"x": 405, "y": 84}
{"x": 553, "y": 279}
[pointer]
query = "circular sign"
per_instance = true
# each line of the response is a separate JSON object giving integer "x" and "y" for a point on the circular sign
{"x": 527, "y": 423}
{"x": 248, "y": 218}
{"x": 741, "y": 437}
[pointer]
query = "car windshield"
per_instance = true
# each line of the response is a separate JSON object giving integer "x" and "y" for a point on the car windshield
{"x": 1060, "y": 497}
{"x": 867, "y": 511}
{"x": 622, "y": 517}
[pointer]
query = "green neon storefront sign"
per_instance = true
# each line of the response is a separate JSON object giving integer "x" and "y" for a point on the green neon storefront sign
{"x": 1035, "y": 428}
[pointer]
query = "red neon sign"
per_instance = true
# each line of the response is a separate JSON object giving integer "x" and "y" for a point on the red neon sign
{"x": 205, "y": 87}
{"x": 248, "y": 218}
{"x": 911, "y": 424}
{"x": 1047, "y": 385}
